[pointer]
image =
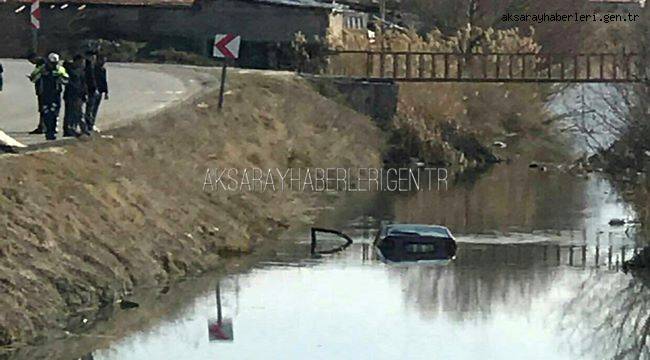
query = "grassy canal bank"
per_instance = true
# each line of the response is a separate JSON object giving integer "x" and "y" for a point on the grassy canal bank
{"x": 84, "y": 224}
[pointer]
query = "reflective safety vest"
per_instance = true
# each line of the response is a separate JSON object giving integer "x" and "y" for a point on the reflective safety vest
{"x": 59, "y": 71}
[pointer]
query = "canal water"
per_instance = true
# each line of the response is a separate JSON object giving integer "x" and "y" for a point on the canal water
{"x": 537, "y": 276}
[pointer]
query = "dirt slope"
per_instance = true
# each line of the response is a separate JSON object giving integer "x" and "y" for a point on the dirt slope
{"x": 82, "y": 224}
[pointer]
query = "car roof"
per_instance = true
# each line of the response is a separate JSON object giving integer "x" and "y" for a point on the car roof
{"x": 419, "y": 229}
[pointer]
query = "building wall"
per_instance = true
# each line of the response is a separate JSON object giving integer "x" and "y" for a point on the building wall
{"x": 337, "y": 24}
{"x": 15, "y": 36}
{"x": 375, "y": 99}
{"x": 347, "y": 19}
{"x": 184, "y": 28}
{"x": 355, "y": 20}
{"x": 253, "y": 21}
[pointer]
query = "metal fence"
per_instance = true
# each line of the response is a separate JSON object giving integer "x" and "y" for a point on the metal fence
{"x": 418, "y": 66}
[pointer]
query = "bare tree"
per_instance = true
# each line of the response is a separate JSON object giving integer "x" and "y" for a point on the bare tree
{"x": 614, "y": 118}
{"x": 451, "y": 15}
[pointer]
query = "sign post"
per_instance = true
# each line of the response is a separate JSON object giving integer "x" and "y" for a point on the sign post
{"x": 35, "y": 20}
{"x": 226, "y": 47}
{"x": 224, "y": 68}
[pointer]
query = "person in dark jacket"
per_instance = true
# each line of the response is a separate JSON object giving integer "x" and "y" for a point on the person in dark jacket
{"x": 37, "y": 61}
{"x": 91, "y": 89}
{"x": 1, "y": 72}
{"x": 74, "y": 96}
{"x": 51, "y": 78}
{"x": 102, "y": 84}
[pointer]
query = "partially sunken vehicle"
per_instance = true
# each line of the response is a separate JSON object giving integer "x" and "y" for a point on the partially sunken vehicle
{"x": 415, "y": 243}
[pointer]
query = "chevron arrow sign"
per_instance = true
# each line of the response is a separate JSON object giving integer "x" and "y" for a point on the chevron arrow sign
{"x": 226, "y": 46}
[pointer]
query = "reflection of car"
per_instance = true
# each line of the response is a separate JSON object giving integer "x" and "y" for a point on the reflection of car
{"x": 410, "y": 243}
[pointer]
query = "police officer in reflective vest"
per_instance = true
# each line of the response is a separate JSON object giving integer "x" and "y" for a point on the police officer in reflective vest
{"x": 51, "y": 78}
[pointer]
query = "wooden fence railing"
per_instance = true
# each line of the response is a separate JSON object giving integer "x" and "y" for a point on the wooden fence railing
{"x": 418, "y": 66}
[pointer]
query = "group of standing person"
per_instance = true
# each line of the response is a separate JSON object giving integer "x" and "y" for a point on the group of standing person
{"x": 83, "y": 83}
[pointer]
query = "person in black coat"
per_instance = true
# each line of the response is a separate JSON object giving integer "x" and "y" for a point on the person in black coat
{"x": 91, "y": 89}
{"x": 38, "y": 62}
{"x": 102, "y": 84}
{"x": 74, "y": 96}
{"x": 1, "y": 72}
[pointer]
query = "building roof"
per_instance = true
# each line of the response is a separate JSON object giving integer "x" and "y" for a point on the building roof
{"x": 302, "y": 3}
{"x": 182, "y": 3}
{"x": 635, "y": 3}
{"x": 616, "y": 1}
{"x": 187, "y": 3}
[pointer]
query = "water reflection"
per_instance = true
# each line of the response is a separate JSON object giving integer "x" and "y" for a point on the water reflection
{"x": 536, "y": 277}
{"x": 220, "y": 329}
{"x": 502, "y": 301}
{"x": 515, "y": 198}
{"x": 609, "y": 317}
{"x": 529, "y": 242}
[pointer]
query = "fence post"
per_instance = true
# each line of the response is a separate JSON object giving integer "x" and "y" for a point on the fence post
{"x": 446, "y": 66}
{"x": 627, "y": 64}
{"x": 510, "y": 71}
{"x": 421, "y": 66}
{"x": 602, "y": 66}
{"x": 368, "y": 64}
{"x": 433, "y": 66}
{"x": 484, "y": 57}
{"x": 408, "y": 62}
{"x": 395, "y": 65}
{"x": 498, "y": 66}
{"x": 609, "y": 257}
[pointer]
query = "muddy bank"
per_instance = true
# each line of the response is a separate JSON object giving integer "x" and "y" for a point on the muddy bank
{"x": 84, "y": 224}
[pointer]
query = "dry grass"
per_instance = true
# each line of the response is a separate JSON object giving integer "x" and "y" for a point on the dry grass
{"x": 82, "y": 225}
{"x": 486, "y": 111}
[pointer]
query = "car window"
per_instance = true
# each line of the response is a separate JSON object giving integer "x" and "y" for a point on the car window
{"x": 421, "y": 230}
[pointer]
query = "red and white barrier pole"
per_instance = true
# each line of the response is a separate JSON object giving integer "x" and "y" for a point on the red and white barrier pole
{"x": 35, "y": 19}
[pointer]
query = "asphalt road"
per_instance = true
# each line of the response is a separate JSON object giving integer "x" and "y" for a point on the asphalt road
{"x": 135, "y": 90}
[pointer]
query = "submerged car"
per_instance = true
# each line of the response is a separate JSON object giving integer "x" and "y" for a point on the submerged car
{"x": 415, "y": 243}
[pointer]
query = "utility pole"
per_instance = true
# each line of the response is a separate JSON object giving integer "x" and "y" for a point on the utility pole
{"x": 35, "y": 20}
{"x": 382, "y": 9}
{"x": 382, "y": 56}
{"x": 472, "y": 9}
